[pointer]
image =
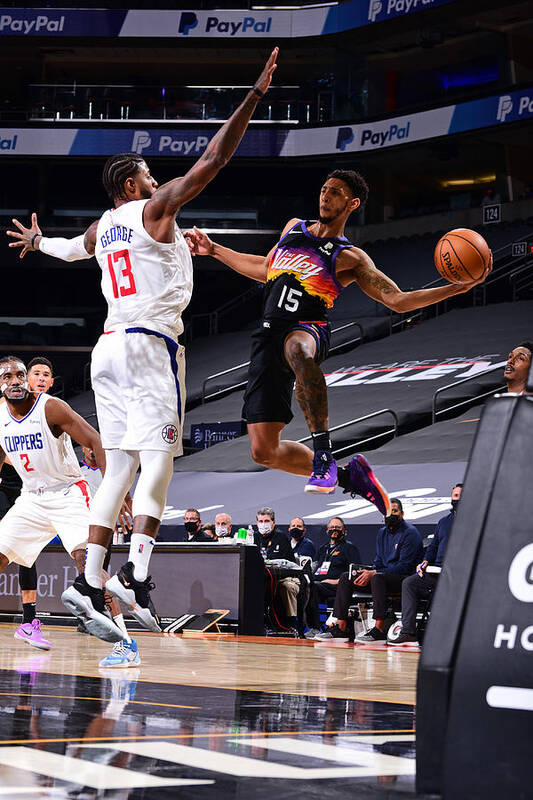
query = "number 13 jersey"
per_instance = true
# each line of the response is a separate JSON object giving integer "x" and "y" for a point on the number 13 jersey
{"x": 301, "y": 284}
{"x": 145, "y": 283}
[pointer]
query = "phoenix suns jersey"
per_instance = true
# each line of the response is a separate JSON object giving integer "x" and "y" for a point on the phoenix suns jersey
{"x": 301, "y": 283}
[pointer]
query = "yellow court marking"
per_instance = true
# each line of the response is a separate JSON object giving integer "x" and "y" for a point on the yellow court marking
{"x": 247, "y": 734}
{"x": 100, "y": 699}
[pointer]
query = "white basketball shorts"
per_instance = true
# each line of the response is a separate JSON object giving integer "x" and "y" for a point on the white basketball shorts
{"x": 35, "y": 519}
{"x": 138, "y": 378}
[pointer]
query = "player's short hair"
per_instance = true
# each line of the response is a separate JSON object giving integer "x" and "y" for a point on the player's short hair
{"x": 7, "y": 359}
{"x": 41, "y": 360}
{"x": 527, "y": 346}
{"x": 457, "y": 486}
{"x": 354, "y": 181}
{"x": 397, "y": 501}
{"x": 267, "y": 511}
{"x": 117, "y": 169}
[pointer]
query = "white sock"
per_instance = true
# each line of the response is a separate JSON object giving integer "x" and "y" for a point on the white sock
{"x": 94, "y": 564}
{"x": 119, "y": 622}
{"x": 141, "y": 547}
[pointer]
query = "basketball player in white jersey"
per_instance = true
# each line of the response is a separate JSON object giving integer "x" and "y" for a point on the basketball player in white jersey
{"x": 35, "y": 434}
{"x": 137, "y": 366}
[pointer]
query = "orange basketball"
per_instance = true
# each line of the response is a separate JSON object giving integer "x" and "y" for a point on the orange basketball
{"x": 462, "y": 256}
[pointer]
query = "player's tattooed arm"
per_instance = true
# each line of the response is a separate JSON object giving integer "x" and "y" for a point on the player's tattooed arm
{"x": 254, "y": 267}
{"x": 32, "y": 239}
{"x": 61, "y": 418}
{"x": 354, "y": 265}
{"x": 168, "y": 199}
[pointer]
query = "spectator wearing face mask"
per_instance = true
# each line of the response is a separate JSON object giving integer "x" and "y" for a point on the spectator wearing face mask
{"x": 275, "y": 545}
{"x": 301, "y": 544}
{"x": 398, "y": 550}
{"x": 192, "y": 523}
{"x": 333, "y": 560}
{"x": 422, "y": 584}
{"x": 223, "y": 527}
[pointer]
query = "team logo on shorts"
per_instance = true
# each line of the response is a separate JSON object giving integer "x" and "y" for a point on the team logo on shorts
{"x": 170, "y": 434}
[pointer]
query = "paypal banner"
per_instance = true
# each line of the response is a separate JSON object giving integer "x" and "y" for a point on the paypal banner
{"x": 217, "y": 23}
{"x": 491, "y": 111}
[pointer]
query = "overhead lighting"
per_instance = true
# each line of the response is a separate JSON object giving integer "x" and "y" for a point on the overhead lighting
{"x": 468, "y": 181}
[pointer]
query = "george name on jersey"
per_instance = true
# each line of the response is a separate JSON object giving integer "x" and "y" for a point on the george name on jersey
{"x": 30, "y": 441}
{"x": 295, "y": 262}
{"x": 118, "y": 233}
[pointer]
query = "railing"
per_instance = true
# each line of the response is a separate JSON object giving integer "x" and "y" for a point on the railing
{"x": 359, "y": 338}
{"x": 435, "y": 413}
{"x": 359, "y": 442}
{"x": 521, "y": 279}
{"x": 226, "y": 388}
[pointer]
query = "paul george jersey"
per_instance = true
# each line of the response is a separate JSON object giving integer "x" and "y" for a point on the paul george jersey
{"x": 145, "y": 283}
{"x": 301, "y": 284}
{"x": 42, "y": 460}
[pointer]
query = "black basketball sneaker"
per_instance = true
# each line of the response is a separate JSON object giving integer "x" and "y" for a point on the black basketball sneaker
{"x": 136, "y": 596}
{"x": 88, "y": 605}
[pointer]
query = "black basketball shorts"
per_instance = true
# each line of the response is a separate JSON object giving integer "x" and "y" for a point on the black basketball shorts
{"x": 270, "y": 384}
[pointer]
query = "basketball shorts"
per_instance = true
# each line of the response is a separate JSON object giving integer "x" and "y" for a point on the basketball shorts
{"x": 268, "y": 394}
{"x": 138, "y": 378}
{"x": 35, "y": 519}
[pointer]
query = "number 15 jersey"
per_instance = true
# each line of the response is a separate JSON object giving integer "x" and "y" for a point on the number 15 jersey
{"x": 145, "y": 283}
{"x": 301, "y": 285}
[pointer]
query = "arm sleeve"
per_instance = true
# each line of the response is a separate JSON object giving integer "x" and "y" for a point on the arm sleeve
{"x": 410, "y": 549}
{"x": 431, "y": 552}
{"x": 65, "y": 249}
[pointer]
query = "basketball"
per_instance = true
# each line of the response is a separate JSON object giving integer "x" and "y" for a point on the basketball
{"x": 462, "y": 256}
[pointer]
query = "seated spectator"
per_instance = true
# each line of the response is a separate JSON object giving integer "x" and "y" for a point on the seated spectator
{"x": 398, "y": 550}
{"x": 209, "y": 530}
{"x": 421, "y": 585}
{"x": 193, "y": 527}
{"x": 333, "y": 559}
{"x": 301, "y": 544}
{"x": 223, "y": 527}
{"x": 274, "y": 545}
{"x": 517, "y": 368}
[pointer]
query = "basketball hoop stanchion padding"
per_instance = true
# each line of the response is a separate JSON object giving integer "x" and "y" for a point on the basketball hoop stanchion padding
{"x": 529, "y": 384}
{"x": 444, "y": 634}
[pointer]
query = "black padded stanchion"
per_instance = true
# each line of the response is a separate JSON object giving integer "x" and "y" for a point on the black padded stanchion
{"x": 436, "y": 675}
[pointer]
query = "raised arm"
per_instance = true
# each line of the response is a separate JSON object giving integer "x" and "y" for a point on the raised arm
{"x": 355, "y": 266}
{"x": 255, "y": 267}
{"x": 62, "y": 418}
{"x": 168, "y": 199}
{"x": 32, "y": 239}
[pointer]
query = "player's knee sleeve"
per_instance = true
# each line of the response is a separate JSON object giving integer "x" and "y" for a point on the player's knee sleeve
{"x": 28, "y": 578}
{"x": 151, "y": 490}
{"x": 120, "y": 470}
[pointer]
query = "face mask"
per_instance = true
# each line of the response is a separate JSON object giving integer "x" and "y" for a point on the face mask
{"x": 335, "y": 534}
{"x": 455, "y": 503}
{"x": 264, "y": 528}
{"x": 296, "y": 533}
{"x": 221, "y": 530}
{"x": 392, "y": 521}
{"x": 191, "y": 527}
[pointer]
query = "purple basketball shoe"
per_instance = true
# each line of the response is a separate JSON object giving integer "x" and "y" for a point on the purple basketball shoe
{"x": 324, "y": 476}
{"x": 364, "y": 483}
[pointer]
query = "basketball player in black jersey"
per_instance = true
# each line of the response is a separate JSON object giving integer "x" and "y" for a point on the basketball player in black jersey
{"x": 304, "y": 273}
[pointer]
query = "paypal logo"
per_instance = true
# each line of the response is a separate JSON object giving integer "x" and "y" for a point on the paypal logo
{"x": 505, "y": 106}
{"x": 374, "y": 8}
{"x": 391, "y": 135}
{"x": 344, "y": 137}
{"x": 9, "y": 143}
{"x": 142, "y": 140}
{"x": 188, "y": 21}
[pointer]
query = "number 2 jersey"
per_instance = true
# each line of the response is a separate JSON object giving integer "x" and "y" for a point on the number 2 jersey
{"x": 301, "y": 285}
{"x": 145, "y": 283}
{"x": 42, "y": 460}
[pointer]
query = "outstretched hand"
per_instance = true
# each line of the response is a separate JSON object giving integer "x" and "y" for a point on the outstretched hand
{"x": 465, "y": 287}
{"x": 264, "y": 80}
{"x": 199, "y": 242}
{"x": 26, "y": 237}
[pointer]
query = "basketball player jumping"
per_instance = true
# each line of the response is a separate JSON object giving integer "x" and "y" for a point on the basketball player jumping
{"x": 137, "y": 366}
{"x": 304, "y": 274}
